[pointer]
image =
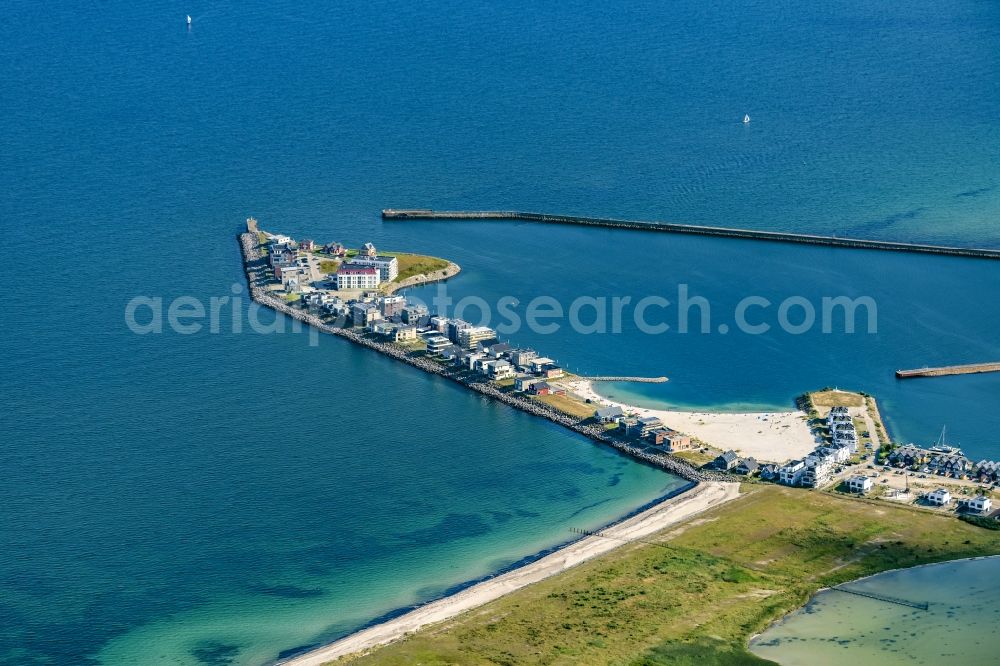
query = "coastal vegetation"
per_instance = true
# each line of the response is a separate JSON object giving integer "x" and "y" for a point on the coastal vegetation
{"x": 697, "y": 593}
{"x": 568, "y": 405}
{"x": 836, "y": 398}
{"x": 417, "y": 264}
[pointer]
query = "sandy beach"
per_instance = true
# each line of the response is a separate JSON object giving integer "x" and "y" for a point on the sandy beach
{"x": 666, "y": 514}
{"x": 767, "y": 436}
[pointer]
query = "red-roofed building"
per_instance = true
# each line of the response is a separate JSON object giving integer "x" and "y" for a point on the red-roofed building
{"x": 350, "y": 276}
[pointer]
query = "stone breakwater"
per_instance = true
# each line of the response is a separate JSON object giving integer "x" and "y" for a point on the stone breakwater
{"x": 256, "y": 269}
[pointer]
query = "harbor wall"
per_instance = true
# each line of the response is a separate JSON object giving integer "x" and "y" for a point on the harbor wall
{"x": 971, "y": 369}
{"x": 669, "y": 227}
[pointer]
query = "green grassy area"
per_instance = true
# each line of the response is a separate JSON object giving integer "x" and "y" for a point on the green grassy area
{"x": 417, "y": 264}
{"x": 835, "y": 398}
{"x": 329, "y": 266}
{"x": 696, "y": 458}
{"x": 567, "y": 405}
{"x": 699, "y": 596}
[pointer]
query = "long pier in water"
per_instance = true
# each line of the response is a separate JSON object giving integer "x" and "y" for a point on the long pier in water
{"x": 922, "y": 605}
{"x": 641, "y": 380}
{"x": 670, "y": 227}
{"x": 970, "y": 369}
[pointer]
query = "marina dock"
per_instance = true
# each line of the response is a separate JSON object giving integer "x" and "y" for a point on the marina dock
{"x": 670, "y": 227}
{"x": 971, "y": 369}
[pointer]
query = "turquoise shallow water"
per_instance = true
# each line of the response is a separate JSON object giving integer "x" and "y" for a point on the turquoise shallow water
{"x": 221, "y": 498}
{"x": 957, "y": 628}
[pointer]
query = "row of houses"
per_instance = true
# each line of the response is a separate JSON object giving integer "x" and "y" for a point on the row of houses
{"x": 954, "y": 465}
{"x": 818, "y": 467}
{"x": 730, "y": 461}
{"x": 645, "y": 428}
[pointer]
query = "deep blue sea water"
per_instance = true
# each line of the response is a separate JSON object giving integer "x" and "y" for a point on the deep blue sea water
{"x": 220, "y": 498}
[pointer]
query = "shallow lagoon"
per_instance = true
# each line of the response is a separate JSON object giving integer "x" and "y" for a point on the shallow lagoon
{"x": 959, "y": 626}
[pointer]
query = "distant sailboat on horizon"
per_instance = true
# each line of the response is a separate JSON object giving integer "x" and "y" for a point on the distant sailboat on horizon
{"x": 189, "y": 20}
{"x": 746, "y": 118}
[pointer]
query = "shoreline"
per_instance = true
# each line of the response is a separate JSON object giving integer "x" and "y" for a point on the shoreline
{"x": 784, "y": 618}
{"x": 254, "y": 270}
{"x": 671, "y": 510}
{"x": 446, "y": 273}
{"x": 766, "y": 436}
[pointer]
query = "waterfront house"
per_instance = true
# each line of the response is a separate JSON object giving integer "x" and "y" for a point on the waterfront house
{"x": 552, "y": 372}
{"x": 908, "y": 456}
{"x": 352, "y": 276}
{"x": 337, "y": 308}
{"x": 541, "y": 388}
{"x": 859, "y": 484}
{"x": 436, "y": 344}
{"x": 414, "y": 312}
{"x": 471, "y": 360}
{"x": 522, "y": 357}
{"x": 290, "y": 276}
{"x": 953, "y": 465}
{"x": 939, "y": 497}
{"x": 988, "y": 471}
{"x": 368, "y": 250}
{"x": 836, "y": 453}
{"x": 450, "y": 352}
{"x": 307, "y": 245}
{"x": 281, "y": 253}
{"x": 539, "y": 362}
{"x": 769, "y": 472}
{"x": 747, "y": 466}
{"x": 363, "y": 314}
{"x": 838, "y": 415}
{"x": 648, "y": 424}
{"x": 726, "y": 461}
{"x": 501, "y": 369}
{"x": 334, "y": 249}
{"x": 525, "y": 382}
{"x": 470, "y": 337}
{"x": 609, "y": 414}
{"x": 318, "y": 299}
{"x": 668, "y": 438}
{"x": 454, "y": 326}
{"x": 630, "y": 426}
{"x": 493, "y": 349}
{"x": 390, "y": 306}
{"x": 791, "y": 473}
{"x": 439, "y": 324}
{"x": 404, "y": 334}
{"x": 387, "y": 267}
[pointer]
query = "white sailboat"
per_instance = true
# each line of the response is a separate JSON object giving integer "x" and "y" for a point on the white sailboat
{"x": 189, "y": 20}
{"x": 746, "y": 118}
{"x": 942, "y": 445}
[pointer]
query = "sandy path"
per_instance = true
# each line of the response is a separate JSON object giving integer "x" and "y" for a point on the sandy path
{"x": 767, "y": 436}
{"x": 665, "y": 514}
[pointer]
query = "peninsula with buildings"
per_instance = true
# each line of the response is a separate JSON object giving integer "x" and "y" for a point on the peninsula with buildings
{"x": 833, "y": 449}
